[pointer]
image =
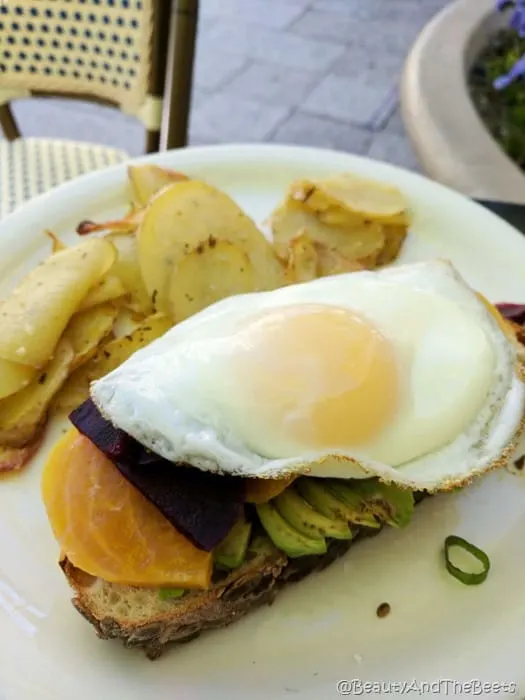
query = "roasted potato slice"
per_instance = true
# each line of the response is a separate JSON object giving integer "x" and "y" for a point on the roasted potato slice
{"x": 14, "y": 458}
{"x": 146, "y": 180}
{"x": 22, "y": 415}
{"x": 213, "y": 271}
{"x": 330, "y": 261}
{"x": 14, "y": 376}
{"x": 341, "y": 199}
{"x": 128, "y": 224}
{"x": 56, "y": 243}
{"x": 127, "y": 269}
{"x": 394, "y": 239}
{"x": 309, "y": 260}
{"x": 108, "y": 289}
{"x": 36, "y": 313}
{"x": 362, "y": 242}
{"x": 302, "y": 259}
{"x": 185, "y": 215}
{"x": 87, "y": 330}
{"x": 107, "y": 358}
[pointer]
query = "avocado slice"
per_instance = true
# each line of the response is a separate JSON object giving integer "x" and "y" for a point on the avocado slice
{"x": 389, "y": 503}
{"x": 283, "y": 535}
{"x": 345, "y": 493}
{"x": 322, "y": 499}
{"x": 302, "y": 517}
{"x": 230, "y": 553}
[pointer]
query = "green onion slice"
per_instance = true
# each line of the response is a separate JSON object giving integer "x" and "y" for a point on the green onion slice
{"x": 167, "y": 593}
{"x": 469, "y": 579}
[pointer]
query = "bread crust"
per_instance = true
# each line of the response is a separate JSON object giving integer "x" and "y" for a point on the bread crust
{"x": 254, "y": 584}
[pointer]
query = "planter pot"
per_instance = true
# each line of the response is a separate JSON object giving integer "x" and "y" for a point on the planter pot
{"x": 448, "y": 136}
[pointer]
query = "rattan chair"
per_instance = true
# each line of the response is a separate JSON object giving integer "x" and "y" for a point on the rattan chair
{"x": 136, "y": 55}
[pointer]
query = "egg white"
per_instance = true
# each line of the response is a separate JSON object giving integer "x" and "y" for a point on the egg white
{"x": 172, "y": 397}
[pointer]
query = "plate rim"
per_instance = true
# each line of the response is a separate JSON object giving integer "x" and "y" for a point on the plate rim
{"x": 239, "y": 151}
{"x": 249, "y": 151}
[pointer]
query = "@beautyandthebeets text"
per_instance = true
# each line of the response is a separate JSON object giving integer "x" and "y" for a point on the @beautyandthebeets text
{"x": 442, "y": 687}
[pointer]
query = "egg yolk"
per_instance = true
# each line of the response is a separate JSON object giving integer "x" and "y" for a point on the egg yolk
{"x": 317, "y": 375}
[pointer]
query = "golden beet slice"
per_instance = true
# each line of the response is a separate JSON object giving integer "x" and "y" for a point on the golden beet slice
{"x": 263, "y": 490}
{"x": 109, "y": 529}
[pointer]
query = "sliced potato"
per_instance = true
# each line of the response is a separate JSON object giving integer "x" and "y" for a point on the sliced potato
{"x": 362, "y": 242}
{"x": 146, "y": 180}
{"x": 23, "y": 414}
{"x": 343, "y": 198}
{"x": 36, "y": 313}
{"x": 14, "y": 458}
{"x": 107, "y": 358}
{"x": 128, "y": 224}
{"x": 14, "y": 376}
{"x": 108, "y": 289}
{"x": 127, "y": 269}
{"x": 209, "y": 273}
{"x": 56, "y": 243}
{"x": 302, "y": 259}
{"x": 87, "y": 329}
{"x": 183, "y": 216}
{"x": 308, "y": 260}
{"x": 394, "y": 238}
{"x": 330, "y": 261}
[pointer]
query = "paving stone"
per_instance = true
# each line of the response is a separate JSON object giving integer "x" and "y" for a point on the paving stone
{"x": 269, "y": 83}
{"x": 307, "y": 130}
{"x": 378, "y": 37}
{"x": 376, "y": 70}
{"x": 395, "y": 149}
{"x": 388, "y": 10}
{"x": 348, "y": 100}
{"x": 395, "y": 124}
{"x": 224, "y": 118}
{"x": 338, "y": 27}
{"x": 198, "y": 98}
{"x": 215, "y": 69}
{"x": 385, "y": 111}
{"x": 278, "y": 15}
{"x": 284, "y": 49}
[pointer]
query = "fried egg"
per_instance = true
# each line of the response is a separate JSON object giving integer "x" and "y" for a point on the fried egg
{"x": 402, "y": 373}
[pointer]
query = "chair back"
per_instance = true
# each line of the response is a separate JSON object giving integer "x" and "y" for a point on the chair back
{"x": 113, "y": 51}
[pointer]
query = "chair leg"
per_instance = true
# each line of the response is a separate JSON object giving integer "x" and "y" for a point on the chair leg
{"x": 8, "y": 123}
{"x": 179, "y": 75}
{"x": 152, "y": 141}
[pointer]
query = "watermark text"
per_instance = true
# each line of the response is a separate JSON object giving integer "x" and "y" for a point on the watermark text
{"x": 441, "y": 687}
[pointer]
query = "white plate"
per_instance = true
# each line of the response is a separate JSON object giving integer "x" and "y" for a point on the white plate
{"x": 325, "y": 629}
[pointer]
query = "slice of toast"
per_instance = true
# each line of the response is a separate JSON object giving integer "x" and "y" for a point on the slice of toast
{"x": 139, "y": 617}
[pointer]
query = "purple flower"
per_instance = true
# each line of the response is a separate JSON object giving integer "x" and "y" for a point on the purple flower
{"x": 502, "y": 5}
{"x": 517, "y": 71}
{"x": 517, "y": 20}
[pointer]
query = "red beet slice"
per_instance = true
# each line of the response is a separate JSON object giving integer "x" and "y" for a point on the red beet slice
{"x": 513, "y": 312}
{"x": 200, "y": 505}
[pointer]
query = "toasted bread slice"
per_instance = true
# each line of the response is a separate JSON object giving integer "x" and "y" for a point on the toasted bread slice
{"x": 139, "y": 617}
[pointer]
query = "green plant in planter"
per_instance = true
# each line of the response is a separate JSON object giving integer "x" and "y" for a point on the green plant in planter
{"x": 497, "y": 82}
